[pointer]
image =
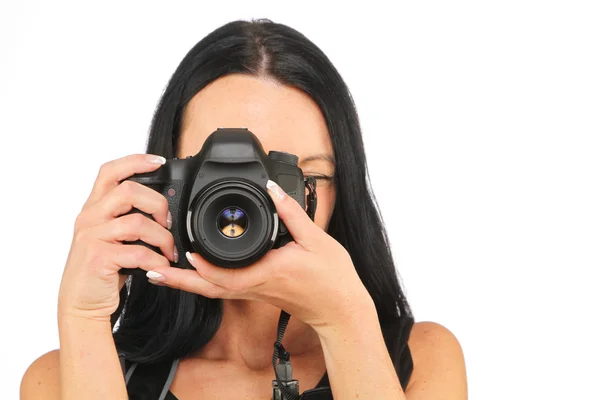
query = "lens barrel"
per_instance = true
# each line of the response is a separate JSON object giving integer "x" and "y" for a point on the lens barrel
{"x": 232, "y": 223}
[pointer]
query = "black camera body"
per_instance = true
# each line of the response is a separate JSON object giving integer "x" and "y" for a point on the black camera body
{"x": 218, "y": 199}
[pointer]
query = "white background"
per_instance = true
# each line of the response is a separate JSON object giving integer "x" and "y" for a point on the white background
{"x": 482, "y": 125}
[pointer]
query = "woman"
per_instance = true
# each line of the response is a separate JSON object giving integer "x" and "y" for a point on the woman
{"x": 351, "y": 327}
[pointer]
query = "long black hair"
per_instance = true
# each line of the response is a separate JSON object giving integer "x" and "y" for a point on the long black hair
{"x": 158, "y": 323}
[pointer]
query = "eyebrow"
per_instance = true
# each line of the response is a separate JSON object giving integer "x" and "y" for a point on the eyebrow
{"x": 319, "y": 157}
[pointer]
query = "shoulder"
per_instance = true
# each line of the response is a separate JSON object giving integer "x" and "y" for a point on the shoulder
{"x": 42, "y": 378}
{"x": 439, "y": 365}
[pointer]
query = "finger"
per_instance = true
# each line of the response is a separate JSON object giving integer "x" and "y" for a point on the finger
{"x": 115, "y": 171}
{"x": 190, "y": 281}
{"x": 238, "y": 280}
{"x": 134, "y": 227}
{"x": 296, "y": 220}
{"x": 121, "y": 199}
{"x": 133, "y": 256}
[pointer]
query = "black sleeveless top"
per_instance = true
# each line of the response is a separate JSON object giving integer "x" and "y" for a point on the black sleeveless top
{"x": 152, "y": 381}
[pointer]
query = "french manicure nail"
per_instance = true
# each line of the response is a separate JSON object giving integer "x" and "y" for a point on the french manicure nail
{"x": 175, "y": 255}
{"x": 190, "y": 258}
{"x": 169, "y": 220}
{"x": 157, "y": 283}
{"x": 152, "y": 159}
{"x": 155, "y": 276}
{"x": 275, "y": 189}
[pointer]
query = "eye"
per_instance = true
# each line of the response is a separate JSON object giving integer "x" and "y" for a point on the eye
{"x": 319, "y": 177}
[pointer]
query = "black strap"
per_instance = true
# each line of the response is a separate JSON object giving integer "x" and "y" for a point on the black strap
{"x": 169, "y": 381}
{"x": 150, "y": 381}
{"x": 321, "y": 393}
{"x": 129, "y": 373}
{"x": 279, "y": 352}
{"x": 310, "y": 182}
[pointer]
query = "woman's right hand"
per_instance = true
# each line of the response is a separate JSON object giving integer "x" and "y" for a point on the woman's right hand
{"x": 91, "y": 281}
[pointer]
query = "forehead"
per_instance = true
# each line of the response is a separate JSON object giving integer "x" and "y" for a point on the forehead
{"x": 283, "y": 118}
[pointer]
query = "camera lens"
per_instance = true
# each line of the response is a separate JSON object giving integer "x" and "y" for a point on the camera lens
{"x": 232, "y": 222}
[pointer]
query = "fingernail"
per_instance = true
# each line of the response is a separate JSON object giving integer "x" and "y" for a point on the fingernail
{"x": 157, "y": 283}
{"x": 155, "y": 276}
{"x": 169, "y": 220}
{"x": 175, "y": 255}
{"x": 190, "y": 258}
{"x": 275, "y": 189}
{"x": 152, "y": 159}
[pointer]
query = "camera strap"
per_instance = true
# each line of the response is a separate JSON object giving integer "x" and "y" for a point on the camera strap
{"x": 310, "y": 183}
{"x": 287, "y": 388}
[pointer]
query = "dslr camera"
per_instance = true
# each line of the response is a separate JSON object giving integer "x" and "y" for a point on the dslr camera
{"x": 219, "y": 202}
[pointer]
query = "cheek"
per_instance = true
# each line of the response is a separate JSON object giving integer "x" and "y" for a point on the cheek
{"x": 325, "y": 203}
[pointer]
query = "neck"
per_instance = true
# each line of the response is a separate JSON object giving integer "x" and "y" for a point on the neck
{"x": 248, "y": 331}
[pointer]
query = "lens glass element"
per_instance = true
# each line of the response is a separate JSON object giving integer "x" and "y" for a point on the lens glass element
{"x": 232, "y": 222}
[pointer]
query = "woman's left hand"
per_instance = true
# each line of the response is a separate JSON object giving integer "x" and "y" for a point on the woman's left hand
{"x": 312, "y": 278}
